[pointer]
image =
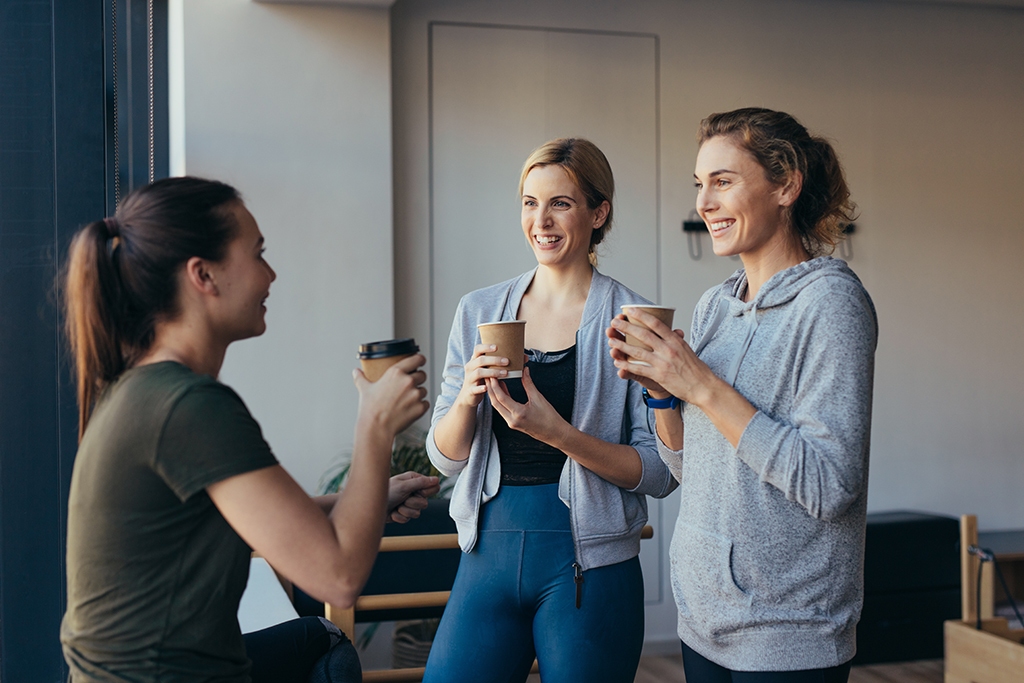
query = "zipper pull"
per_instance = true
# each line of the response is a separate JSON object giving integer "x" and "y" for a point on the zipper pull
{"x": 578, "y": 580}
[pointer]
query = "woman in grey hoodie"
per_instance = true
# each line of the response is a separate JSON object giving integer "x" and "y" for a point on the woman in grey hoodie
{"x": 774, "y": 389}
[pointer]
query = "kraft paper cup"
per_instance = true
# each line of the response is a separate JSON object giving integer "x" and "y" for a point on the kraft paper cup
{"x": 662, "y": 313}
{"x": 508, "y": 337}
{"x": 377, "y": 357}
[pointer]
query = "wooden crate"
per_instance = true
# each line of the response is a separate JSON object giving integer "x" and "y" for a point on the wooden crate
{"x": 993, "y": 654}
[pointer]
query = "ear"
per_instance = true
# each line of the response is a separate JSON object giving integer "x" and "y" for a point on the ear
{"x": 199, "y": 277}
{"x": 790, "y": 191}
{"x": 601, "y": 214}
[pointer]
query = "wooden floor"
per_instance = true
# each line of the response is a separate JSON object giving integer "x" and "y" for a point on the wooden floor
{"x": 670, "y": 670}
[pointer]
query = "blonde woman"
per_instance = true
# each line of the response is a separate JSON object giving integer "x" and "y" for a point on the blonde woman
{"x": 554, "y": 467}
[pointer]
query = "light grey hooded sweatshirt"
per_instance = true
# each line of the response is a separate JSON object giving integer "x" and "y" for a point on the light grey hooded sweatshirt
{"x": 606, "y": 520}
{"x": 767, "y": 555}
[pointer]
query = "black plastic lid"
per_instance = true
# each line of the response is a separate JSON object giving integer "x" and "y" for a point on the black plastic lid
{"x": 388, "y": 348}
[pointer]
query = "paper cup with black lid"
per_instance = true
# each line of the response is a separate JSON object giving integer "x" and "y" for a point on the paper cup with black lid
{"x": 509, "y": 338}
{"x": 376, "y": 357}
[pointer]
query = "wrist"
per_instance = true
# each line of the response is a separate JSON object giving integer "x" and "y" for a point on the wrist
{"x": 708, "y": 393}
{"x": 374, "y": 429}
{"x": 668, "y": 402}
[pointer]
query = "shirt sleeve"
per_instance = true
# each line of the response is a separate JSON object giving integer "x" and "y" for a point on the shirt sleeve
{"x": 209, "y": 436}
{"x": 656, "y": 479}
{"x": 451, "y": 384}
{"x": 818, "y": 454}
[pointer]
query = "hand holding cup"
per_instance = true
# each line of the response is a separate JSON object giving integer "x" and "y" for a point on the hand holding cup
{"x": 397, "y": 398}
{"x": 669, "y": 365}
{"x": 492, "y": 358}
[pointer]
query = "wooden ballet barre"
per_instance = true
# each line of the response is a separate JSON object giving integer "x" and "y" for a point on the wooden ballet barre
{"x": 365, "y": 603}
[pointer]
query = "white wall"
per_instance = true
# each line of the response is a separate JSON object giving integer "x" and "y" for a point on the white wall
{"x": 923, "y": 102}
{"x": 291, "y": 104}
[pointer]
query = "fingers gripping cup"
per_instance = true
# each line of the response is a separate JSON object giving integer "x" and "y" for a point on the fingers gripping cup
{"x": 662, "y": 313}
{"x": 508, "y": 338}
{"x": 377, "y": 357}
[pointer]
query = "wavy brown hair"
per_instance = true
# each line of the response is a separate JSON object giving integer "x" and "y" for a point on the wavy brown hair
{"x": 122, "y": 274}
{"x": 587, "y": 167}
{"x": 783, "y": 146}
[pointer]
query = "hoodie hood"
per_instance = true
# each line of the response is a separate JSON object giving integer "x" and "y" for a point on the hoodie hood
{"x": 782, "y": 287}
{"x": 779, "y": 290}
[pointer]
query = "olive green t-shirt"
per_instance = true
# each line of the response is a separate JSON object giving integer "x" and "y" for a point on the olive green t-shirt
{"x": 155, "y": 573}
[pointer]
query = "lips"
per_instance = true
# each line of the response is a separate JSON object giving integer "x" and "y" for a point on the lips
{"x": 544, "y": 241}
{"x": 717, "y": 227}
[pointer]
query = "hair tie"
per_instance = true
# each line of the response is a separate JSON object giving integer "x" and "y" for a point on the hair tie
{"x": 113, "y": 227}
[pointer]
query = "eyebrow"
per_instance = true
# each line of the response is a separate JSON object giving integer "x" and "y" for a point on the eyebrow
{"x": 715, "y": 174}
{"x": 560, "y": 196}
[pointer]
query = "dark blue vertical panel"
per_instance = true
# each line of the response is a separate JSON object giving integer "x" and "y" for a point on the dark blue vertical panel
{"x": 52, "y": 178}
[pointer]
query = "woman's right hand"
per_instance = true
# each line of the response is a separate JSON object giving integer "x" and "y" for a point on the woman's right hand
{"x": 397, "y": 399}
{"x": 655, "y": 389}
{"x": 477, "y": 370}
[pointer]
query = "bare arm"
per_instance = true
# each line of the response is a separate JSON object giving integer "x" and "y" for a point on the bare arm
{"x": 329, "y": 556}
{"x": 407, "y": 496}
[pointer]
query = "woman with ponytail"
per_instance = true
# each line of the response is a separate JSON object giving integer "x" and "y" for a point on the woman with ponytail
{"x": 173, "y": 482}
{"x": 764, "y": 413}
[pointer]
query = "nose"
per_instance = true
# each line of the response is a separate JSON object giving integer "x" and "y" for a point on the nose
{"x": 705, "y": 202}
{"x": 273, "y": 273}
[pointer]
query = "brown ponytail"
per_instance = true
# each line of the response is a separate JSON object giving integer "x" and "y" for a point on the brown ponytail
{"x": 121, "y": 275}
{"x": 782, "y": 146}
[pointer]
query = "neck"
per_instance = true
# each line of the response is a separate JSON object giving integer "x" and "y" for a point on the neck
{"x": 773, "y": 257}
{"x": 184, "y": 342}
{"x": 556, "y": 287}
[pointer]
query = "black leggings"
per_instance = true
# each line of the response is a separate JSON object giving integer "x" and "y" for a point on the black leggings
{"x": 302, "y": 651}
{"x": 699, "y": 669}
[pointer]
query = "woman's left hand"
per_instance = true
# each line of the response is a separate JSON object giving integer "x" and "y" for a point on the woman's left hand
{"x": 407, "y": 495}
{"x": 536, "y": 417}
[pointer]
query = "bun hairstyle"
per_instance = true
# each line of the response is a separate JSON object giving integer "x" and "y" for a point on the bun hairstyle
{"x": 783, "y": 146}
{"x": 589, "y": 170}
{"x": 122, "y": 274}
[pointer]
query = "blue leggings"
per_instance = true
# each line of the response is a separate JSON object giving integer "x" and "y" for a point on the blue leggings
{"x": 699, "y": 669}
{"x": 514, "y": 599}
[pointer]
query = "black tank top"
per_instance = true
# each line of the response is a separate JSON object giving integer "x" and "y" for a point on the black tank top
{"x": 524, "y": 460}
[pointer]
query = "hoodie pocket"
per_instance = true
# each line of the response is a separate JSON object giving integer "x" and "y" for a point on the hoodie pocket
{"x": 703, "y": 582}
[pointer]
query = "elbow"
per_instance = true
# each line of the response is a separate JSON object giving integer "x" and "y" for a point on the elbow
{"x": 343, "y": 593}
{"x": 833, "y": 508}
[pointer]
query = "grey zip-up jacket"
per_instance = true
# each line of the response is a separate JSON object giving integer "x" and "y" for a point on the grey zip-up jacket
{"x": 767, "y": 556}
{"x": 606, "y": 520}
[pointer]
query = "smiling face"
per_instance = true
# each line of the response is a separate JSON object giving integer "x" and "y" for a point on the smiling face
{"x": 556, "y": 220}
{"x": 243, "y": 280}
{"x": 745, "y": 213}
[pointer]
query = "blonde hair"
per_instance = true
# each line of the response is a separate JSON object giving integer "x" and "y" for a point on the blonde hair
{"x": 782, "y": 146}
{"x": 589, "y": 170}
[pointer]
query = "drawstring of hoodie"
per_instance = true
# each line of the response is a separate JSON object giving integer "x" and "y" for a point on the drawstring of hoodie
{"x": 734, "y": 366}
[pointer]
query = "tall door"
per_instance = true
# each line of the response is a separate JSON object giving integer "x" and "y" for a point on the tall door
{"x": 496, "y": 94}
